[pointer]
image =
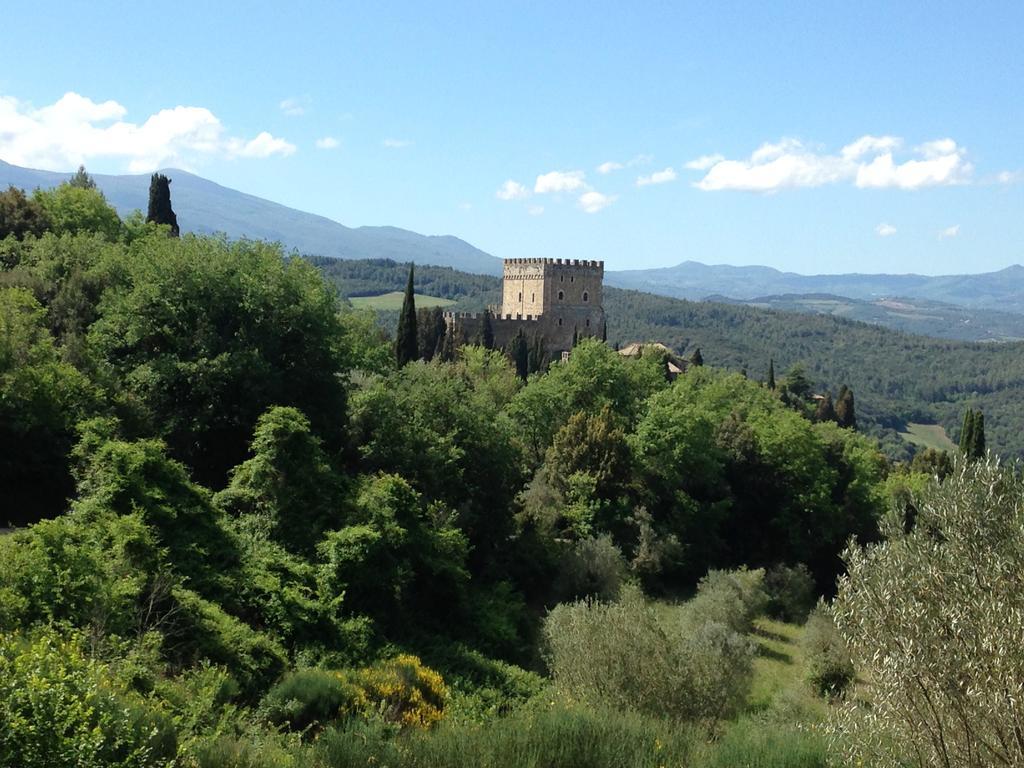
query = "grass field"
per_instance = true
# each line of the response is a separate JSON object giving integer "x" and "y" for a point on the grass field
{"x": 393, "y": 300}
{"x": 928, "y": 436}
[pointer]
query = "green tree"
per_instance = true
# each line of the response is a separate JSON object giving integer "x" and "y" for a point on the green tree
{"x": 771, "y": 374}
{"x": 967, "y": 433}
{"x": 697, "y": 358}
{"x": 21, "y": 215}
{"x": 430, "y": 328}
{"x": 978, "y": 441}
{"x": 42, "y": 398}
{"x": 846, "y": 415}
{"x": 825, "y": 410}
{"x": 81, "y": 179}
{"x": 288, "y": 482}
{"x": 237, "y": 328}
{"x": 487, "y": 331}
{"x": 72, "y": 209}
{"x": 406, "y": 341}
{"x": 932, "y": 616}
{"x": 519, "y": 352}
{"x": 160, "y": 211}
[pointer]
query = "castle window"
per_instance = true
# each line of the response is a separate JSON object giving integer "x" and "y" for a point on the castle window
{"x": 561, "y": 278}
{"x": 559, "y": 321}
{"x": 586, "y": 296}
{"x": 561, "y": 295}
{"x": 520, "y": 296}
{"x": 588, "y": 323}
{"x": 572, "y": 279}
{"x": 533, "y": 297}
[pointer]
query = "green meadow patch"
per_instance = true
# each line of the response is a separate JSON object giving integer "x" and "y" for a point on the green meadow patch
{"x": 393, "y": 300}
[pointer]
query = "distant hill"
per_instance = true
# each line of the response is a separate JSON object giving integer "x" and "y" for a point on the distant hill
{"x": 919, "y": 316}
{"x": 205, "y": 207}
{"x": 1002, "y": 290}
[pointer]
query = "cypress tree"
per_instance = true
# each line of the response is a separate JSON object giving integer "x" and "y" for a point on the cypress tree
{"x": 447, "y": 352}
{"x": 967, "y": 433}
{"x": 978, "y": 437}
{"x": 825, "y": 410}
{"x": 487, "y": 331}
{"x": 405, "y": 341}
{"x": 771, "y": 374}
{"x": 846, "y": 415}
{"x": 697, "y": 358}
{"x": 575, "y": 336}
{"x": 160, "y": 211}
{"x": 520, "y": 354}
{"x": 430, "y": 331}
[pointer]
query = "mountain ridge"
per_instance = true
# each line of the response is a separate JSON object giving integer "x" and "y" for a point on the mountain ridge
{"x": 206, "y": 207}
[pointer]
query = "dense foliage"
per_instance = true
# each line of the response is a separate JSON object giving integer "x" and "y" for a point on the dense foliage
{"x": 247, "y": 536}
{"x": 934, "y": 616}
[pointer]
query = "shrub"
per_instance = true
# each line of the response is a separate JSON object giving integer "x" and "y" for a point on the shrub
{"x": 593, "y": 568}
{"x": 791, "y": 592}
{"x": 621, "y": 655}
{"x": 830, "y": 669}
{"x": 59, "y": 708}
{"x": 933, "y": 617}
{"x": 310, "y": 698}
{"x": 731, "y": 598}
{"x": 403, "y": 691}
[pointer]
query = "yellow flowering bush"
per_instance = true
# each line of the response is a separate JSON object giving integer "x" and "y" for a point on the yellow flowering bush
{"x": 403, "y": 691}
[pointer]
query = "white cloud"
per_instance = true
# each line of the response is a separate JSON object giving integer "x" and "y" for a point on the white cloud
{"x": 658, "y": 177}
{"x": 295, "y": 105}
{"x": 611, "y": 165}
{"x": 592, "y": 201}
{"x": 327, "y": 142}
{"x": 704, "y": 162}
{"x": 396, "y": 143}
{"x": 535, "y": 210}
{"x": 560, "y": 181}
{"x": 885, "y": 230}
{"x": 76, "y": 130}
{"x": 949, "y": 232}
{"x": 869, "y": 145}
{"x": 1007, "y": 177}
{"x": 868, "y": 162}
{"x": 512, "y": 190}
{"x": 264, "y": 145}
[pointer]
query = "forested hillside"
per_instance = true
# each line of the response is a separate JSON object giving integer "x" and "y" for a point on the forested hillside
{"x": 897, "y": 377}
{"x": 248, "y": 536}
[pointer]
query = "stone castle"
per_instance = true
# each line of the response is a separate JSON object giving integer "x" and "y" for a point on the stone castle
{"x": 556, "y": 300}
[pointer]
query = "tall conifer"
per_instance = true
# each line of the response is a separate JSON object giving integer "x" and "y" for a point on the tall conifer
{"x": 406, "y": 341}
{"x": 771, "y": 374}
{"x": 967, "y": 433}
{"x": 160, "y": 211}
{"x": 697, "y": 358}
{"x": 487, "y": 332}
{"x": 520, "y": 354}
{"x": 846, "y": 415}
{"x": 825, "y": 410}
{"x": 978, "y": 437}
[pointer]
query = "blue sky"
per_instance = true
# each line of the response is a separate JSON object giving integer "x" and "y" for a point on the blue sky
{"x": 813, "y": 137}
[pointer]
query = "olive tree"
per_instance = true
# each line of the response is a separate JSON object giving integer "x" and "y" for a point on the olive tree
{"x": 934, "y": 620}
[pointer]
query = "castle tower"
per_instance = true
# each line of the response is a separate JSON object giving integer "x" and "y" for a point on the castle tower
{"x": 556, "y": 299}
{"x": 565, "y": 294}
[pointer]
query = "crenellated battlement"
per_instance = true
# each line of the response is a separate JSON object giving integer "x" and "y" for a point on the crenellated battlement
{"x": 594, "y": 264}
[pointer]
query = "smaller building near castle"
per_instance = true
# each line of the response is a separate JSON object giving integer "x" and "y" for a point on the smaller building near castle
{"x": 556, "y": 300}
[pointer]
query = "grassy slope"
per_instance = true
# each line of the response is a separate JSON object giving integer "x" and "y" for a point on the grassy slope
{"x": 928, "y": 436}
{"x": 393, "y": 301}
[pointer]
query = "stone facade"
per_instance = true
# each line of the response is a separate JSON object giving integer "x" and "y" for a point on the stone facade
{"x": 552, "y": 298}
